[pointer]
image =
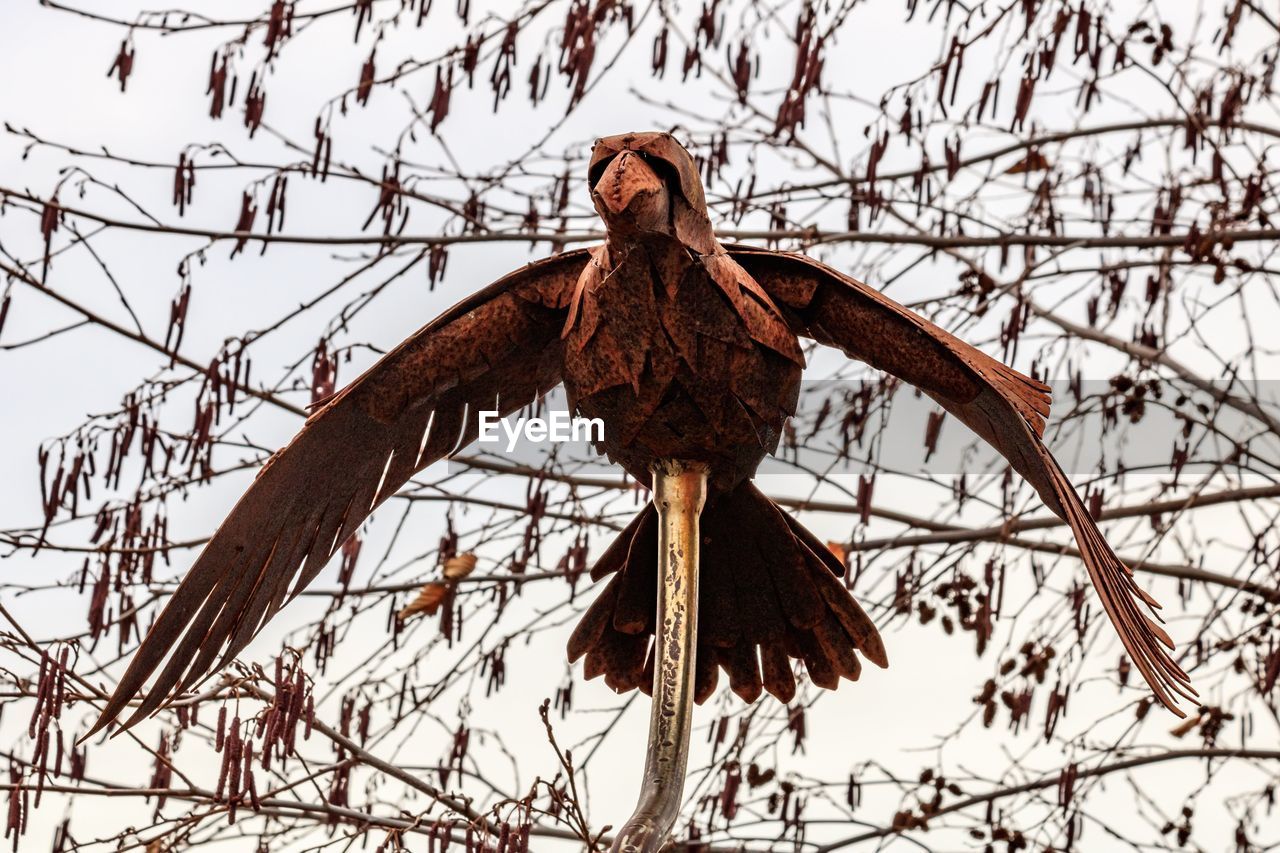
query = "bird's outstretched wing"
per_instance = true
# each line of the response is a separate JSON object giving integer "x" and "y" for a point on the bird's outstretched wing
{"x": 1004, "y": 407}
{"x": 497, "y": 349}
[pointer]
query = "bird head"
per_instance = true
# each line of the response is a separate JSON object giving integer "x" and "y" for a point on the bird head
{"x": 647, "y": 184}
{"x": 630, "y": 195}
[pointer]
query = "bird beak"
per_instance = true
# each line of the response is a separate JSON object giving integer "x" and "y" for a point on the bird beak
{"x": 627, "y": 178}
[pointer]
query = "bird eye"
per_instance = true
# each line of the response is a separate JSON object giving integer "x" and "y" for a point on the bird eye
{"x": 663, "y": 169}
{"x": 593, "y": 176}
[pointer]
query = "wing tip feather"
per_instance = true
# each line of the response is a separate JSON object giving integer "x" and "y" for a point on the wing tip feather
{"x": 1147, "y": 644}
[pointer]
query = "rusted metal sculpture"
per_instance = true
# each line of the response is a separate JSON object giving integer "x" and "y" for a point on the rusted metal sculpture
{"x": 688, "y": 352}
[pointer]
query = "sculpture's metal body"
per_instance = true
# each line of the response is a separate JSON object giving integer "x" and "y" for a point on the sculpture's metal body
{"x": 688, "y": 351}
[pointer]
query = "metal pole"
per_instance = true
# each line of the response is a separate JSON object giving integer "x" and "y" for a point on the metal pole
{"x": 679, "y": 490}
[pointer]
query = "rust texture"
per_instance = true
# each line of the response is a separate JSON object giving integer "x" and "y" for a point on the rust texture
{"x": 688, "y": 350}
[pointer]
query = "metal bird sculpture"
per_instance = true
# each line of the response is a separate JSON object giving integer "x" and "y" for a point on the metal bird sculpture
{"x": 688, "y": 352}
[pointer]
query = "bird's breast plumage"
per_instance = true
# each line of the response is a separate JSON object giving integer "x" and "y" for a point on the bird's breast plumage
{"x": 682, "y": 355}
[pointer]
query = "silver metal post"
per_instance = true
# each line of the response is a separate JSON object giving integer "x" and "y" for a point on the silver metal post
{"x": 679, "y": 491}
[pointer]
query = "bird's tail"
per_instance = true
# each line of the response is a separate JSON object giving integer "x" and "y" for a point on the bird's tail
{"x": 768, "y": 591}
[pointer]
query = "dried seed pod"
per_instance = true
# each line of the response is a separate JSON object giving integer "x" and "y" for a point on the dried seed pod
{"x": 457, "y": 568}
{"x": 428, "y": 600}
{"x": 433, "y": 593}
